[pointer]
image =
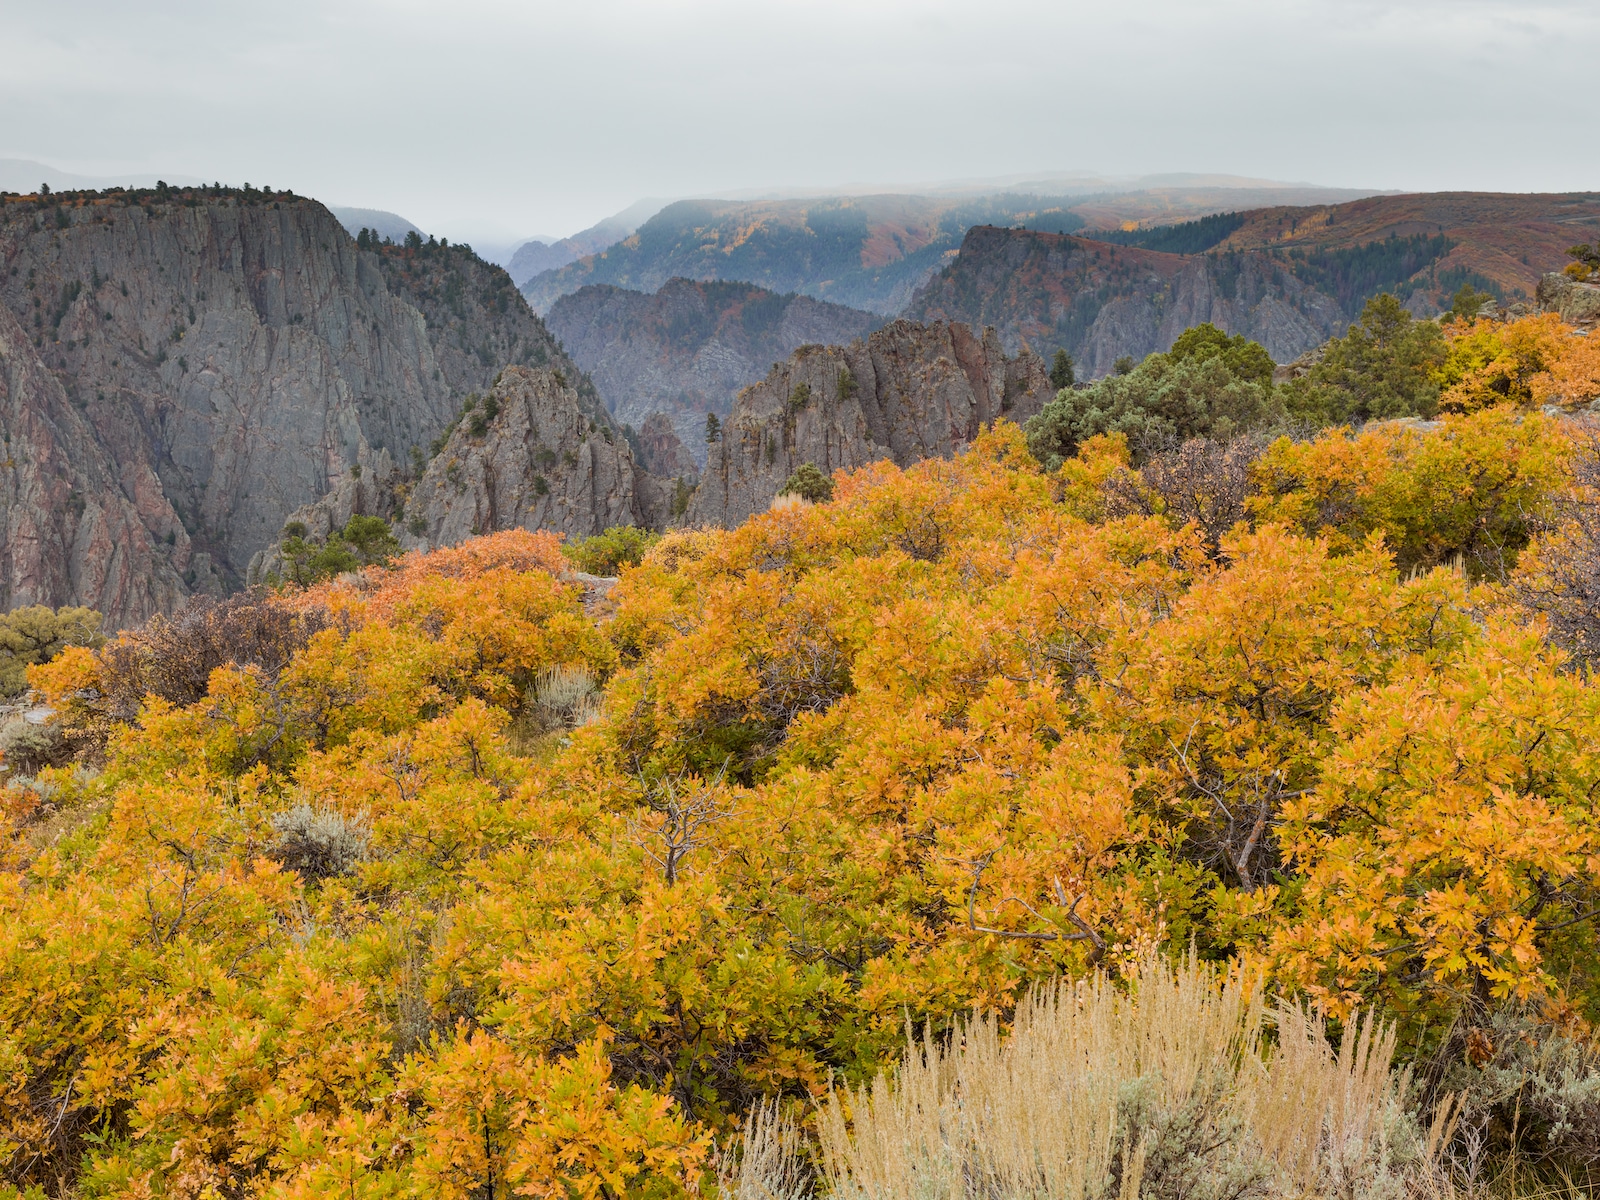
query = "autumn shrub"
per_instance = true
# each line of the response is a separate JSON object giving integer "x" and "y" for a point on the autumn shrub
{"x": 1202, "y": 480}
{"x": 36, "y": 634}
{"x": 376, "y": 593}
{"x": 605, "y": 554}
{"x": 1491, "y": 363}
{"x": 1477, "y": 488}
{"x": 964, "y": 742}
{"x": 1558, "y": 580}
{"x": 173, "y": 657}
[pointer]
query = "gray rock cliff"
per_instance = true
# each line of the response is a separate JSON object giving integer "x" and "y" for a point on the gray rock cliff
{"x": 907, "y": 392}
{"x": 78, "y": 527}
{"x": 1577, "y": 303}
{"x": 687, "y": 349}
{"x": 540, "y": 462}
{"x": 195, "y": 366}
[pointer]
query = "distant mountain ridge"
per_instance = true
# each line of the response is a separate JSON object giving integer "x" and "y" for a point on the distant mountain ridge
{"x": 865, "y": 251}
{"x": 687, "y": 350}
{"x": 386, "y": 224}
{"x": 536, "y": 255}
{"x": 1288, "y": 278}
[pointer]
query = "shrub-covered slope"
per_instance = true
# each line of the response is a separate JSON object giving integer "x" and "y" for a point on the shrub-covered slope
{"x": 434, "y": 881}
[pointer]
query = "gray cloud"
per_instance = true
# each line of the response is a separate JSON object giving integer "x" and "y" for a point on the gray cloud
{"x": 540, "y": 117}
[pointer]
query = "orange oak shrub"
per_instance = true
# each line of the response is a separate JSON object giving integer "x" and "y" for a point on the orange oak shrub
{"x": 340, "y": 928}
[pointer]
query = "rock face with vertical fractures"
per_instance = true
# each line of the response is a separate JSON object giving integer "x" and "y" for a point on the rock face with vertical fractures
{"x": 77, "y": 526}
{"x": 526, "y": 457}
{"x": 687, "y": 350}
{"x": 905, "y": 393}
{"x": 183, "y": 370}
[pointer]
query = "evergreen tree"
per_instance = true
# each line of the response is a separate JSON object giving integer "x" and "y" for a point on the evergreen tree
{"x": 1061, "y": 371}
{"x": 1464, "y": 305}
{"x": 1247, "y": 360}
{"x": 1384, "y": 367}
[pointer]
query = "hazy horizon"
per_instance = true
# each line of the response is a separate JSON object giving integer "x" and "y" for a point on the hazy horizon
{"x": 494, "y": 121}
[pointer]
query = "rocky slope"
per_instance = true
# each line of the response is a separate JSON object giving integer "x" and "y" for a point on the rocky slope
{"x": 688, "y": 349}
{"x": 526, "y": 454}
{"x": 185, "y": 369}
{"x": 1100, "y": 301}
{"x": 907, "y": 392}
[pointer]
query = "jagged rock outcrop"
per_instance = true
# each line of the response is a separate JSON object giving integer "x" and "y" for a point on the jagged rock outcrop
{"x": 662, "y": 450}
{"x": 528, "y": 454}
{"x": 687, "y": 349}
{"x": 193, "y": 367}
{"x": 1577, "y": 303}
{"x": 1100, "y": 301}
{"x": 905, "y": 393}
{"x": 539, "y": 462}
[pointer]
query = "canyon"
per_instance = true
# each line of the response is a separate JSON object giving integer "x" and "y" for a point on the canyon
{"x": 686, "y": 351}
{"x": 184, "y": 369}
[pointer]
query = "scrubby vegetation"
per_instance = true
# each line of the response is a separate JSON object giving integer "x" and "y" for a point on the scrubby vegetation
{"x": 607, "y": 553}
{"x": 363, "y": 542}
{"x": 1389, "y": 365}
{"x": 36, "y": 633}
{"x": 1164, "y": 398}
{"x": 1214, "y": 806}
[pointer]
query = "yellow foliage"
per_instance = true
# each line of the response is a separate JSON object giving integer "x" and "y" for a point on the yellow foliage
{"x": 1519, "y": 362}
{"x": 1468, "y": 490}
{"x": 324, "y": 931}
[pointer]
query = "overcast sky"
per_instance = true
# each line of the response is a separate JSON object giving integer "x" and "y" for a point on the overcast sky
{"x": 478, "y": 117}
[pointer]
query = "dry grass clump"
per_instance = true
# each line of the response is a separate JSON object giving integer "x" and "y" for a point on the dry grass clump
{"x": 567, "y": 696}
{"x": 1173, "y": 1089}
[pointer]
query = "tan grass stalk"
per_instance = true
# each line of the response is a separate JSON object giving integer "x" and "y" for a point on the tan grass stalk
{"x": 1097, "y": 1086}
